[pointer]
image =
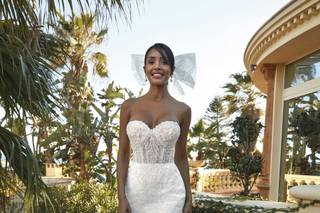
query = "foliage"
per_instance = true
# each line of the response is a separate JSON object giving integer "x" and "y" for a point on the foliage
{"x": 27, "y": 60}
{"x": 79, "y": 134}
{"x": 206, "y": 204}
{"x": 84, "y": 197}
{"x": 40, "y": 12}
{"x": 246, "y": 163}
{"x": 306, "y": 124}
{"x": 21, "y": 159}
{"x": 239, "y": 93}
{"x": 197, "y": 132}
{"x": 26, "y": 88}
{"x": 215, "y": 134}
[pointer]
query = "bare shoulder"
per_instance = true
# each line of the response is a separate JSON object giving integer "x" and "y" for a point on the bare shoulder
{"x": 183, "y": 107}
{"x": 128, "y": 103}
{"x": 126, "y": 106}
{"x": 183, "y": 111}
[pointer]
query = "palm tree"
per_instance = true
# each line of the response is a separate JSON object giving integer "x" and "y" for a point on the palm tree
{"x": 81, "y": 38}
{"x": 239, "y": 93}
{"x": 26, "y": 89}
{"x": 27, "y": 62}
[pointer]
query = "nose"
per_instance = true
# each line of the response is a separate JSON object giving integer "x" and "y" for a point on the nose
{"x": 157, "y": 64}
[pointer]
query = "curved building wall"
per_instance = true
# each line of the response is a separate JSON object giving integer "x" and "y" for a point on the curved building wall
{"x": 283, "y": 59}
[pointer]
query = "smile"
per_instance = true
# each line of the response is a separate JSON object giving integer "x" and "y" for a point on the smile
{"x": 157, "y": 75}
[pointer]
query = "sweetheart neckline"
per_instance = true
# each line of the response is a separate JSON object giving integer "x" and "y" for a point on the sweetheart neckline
{"x": 155, "y": 125}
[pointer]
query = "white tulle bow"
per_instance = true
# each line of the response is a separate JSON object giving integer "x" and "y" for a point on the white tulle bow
{"x": 185, "y": 70}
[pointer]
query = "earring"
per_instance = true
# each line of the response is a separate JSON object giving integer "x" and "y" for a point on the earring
{"x": 171, "y": 80}
{"x": 145, "y": 78}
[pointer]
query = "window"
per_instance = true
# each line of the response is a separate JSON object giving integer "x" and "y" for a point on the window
{"x": 300, "y": 152}
{"x": 303, "y": 70}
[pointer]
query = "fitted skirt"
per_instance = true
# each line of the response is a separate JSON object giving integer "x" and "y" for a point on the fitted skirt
{"x": 156, "y": 188}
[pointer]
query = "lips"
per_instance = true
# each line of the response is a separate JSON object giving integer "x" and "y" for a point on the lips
{"x": 157, "y": 75}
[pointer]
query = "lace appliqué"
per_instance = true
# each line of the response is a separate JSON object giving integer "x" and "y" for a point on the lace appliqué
{"x": 153, "y": 145}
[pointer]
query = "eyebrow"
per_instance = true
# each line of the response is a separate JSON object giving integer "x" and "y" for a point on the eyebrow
{"x": 153, "y": 57}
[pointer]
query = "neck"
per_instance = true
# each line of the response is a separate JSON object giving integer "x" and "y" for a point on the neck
{"x": 157, "y": 93}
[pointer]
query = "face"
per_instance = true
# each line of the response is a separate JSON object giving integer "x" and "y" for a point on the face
{"x": 157, "y": 69}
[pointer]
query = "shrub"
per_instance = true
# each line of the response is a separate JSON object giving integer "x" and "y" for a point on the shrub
{"x": 84, "y": 197}
{"x": 246, "y": 163}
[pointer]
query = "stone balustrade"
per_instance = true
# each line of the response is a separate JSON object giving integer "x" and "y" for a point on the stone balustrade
{"x": 53, "y": 170}
{"x": 218, "y": 181}
{"x": 213, "y": 180}
{"x": 294, "y": 180}
{"x": 303, "y": 181}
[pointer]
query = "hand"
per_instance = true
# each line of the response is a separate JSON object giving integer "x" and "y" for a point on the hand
{"x": 124, "y": 206}
{"x": 187, "y": 207}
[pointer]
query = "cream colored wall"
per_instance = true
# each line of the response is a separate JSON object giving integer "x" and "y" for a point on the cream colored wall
{"x": 281, "y": 95}
{"x": 291, "y": 33}
{"x": 276, "y": 133}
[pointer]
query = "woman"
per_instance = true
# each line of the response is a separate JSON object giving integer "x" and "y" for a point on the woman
{"x": 155, "y": 126}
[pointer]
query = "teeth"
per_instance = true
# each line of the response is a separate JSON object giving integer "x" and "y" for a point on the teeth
{"x": 157, "y": 74}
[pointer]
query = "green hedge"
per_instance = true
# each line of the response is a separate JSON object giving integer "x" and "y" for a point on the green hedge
{"x": 208, "y": 204}
{"x": 90, "y": 197}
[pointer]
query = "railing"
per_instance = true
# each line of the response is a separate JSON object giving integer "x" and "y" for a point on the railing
{"x": 53, "y": 170}
{"x": 213, "y": 180}
{"x": 299, "y": 180}
{"x": 295, "y": 180}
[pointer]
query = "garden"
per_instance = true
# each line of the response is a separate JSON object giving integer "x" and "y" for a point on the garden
{"x": 50, "y": 114}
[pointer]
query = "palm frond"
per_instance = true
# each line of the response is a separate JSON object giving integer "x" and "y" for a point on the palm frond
{"x": 38, "y": 12}
{"x": 100, "y": 64}
{"x": 26, "y": 71}
{"x": 21, "y": 159}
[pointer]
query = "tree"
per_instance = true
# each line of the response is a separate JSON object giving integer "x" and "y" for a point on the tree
{"x": 111, "y": 98}
{"x": 78, "y": 96}
{"x": 26, "y": 89}
{"x": 240, "y": 92}
{"x": 306, "y": 124}
{"x": 215, "y": 119}
{"x": 197, "y": 132}
{"x": 246, "y": 162}
{"x": 27, "y": 76}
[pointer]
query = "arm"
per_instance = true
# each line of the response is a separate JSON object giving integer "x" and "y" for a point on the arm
{"x": 181, "y": 158}
{"x": 123, "y": 156}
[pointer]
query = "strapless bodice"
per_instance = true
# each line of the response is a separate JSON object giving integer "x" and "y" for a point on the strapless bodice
{"x": 153, "y": 145}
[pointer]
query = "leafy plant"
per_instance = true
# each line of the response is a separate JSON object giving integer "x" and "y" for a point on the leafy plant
{"x": 84, "y": 197}
{"x": 206, "y": 204}
{"x": 246, "y": 162}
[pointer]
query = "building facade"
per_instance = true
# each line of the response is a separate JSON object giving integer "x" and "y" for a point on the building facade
{"x": 283, "y": 59}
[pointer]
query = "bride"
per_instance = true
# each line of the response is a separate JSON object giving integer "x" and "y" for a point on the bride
{"x": 155, "y": 127}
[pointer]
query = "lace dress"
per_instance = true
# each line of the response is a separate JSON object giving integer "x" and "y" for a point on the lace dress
{"x": 154, "y": 183}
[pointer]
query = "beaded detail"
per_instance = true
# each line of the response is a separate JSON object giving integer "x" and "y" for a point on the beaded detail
{"x": 153, "y": 145}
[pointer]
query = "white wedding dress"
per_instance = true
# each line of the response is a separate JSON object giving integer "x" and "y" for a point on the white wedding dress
{"x": 154, "y": 183}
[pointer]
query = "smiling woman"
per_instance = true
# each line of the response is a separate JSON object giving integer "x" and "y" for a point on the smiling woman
{"x": 159, "y": 63}
{"x": 155, "y": 127}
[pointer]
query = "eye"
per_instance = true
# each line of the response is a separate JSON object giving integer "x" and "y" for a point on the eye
{"x": 150, "y": 61}
{"x": 164, "y": 61}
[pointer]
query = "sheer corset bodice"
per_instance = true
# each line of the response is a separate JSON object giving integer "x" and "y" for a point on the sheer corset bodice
{"x": 153, "y": 145}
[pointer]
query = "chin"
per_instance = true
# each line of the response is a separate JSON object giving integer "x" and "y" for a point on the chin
{"x": 159, "y": 83}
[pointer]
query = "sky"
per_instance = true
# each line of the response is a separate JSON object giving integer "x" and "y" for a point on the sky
{"x": 216, "y": 31}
